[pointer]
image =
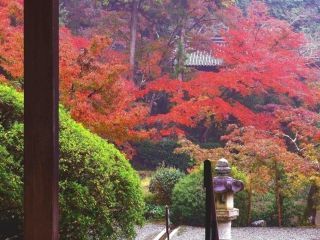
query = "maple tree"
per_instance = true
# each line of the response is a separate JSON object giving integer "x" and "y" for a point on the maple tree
{"x": 265, "y": 88}
{"x": 94, "y": 89}
{"x": 11, "y": 42}
{"x": 261, "y": 60}
{"x": 149, "y": 32}
{"x": 259, "y": 109}
{"x": 267, "y": 161}
{"x": 92, "y": 85}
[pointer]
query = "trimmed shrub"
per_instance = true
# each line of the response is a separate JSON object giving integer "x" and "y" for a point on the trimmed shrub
{"x": 162, "y": 183}
{"x": 188, "y": 200}
{"x": 151, "y": 155}
{"x": 100, "y": 194}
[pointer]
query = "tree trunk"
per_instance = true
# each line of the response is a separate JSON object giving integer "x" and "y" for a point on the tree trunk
{"x": 204, "y": 135}
{"x": 181, "y": 52}
{"x": 249, "y": 205}
{"x": 133, "y": 39}
{"x": 279, "y": 200}
{"x": 312, "y": 203}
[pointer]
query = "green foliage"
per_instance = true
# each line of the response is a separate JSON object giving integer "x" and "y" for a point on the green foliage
{"x": 100, "y": 194}
{"x": 241, "y": 202}
{"x": 188, "y": 200}
{"x": 151, "y": 155}
{"x": 10, "y": 194}
{"x": 163, "y": 182}
{"x": 11, "y": 106}
{"x": 293, "y": 211}
{"x": 264, "y": 207}
{"x": 241, "y": 199}
{"x": 153, "y": 211}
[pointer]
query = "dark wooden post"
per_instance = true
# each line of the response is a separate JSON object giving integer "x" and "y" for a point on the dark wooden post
{"x": 211, "y": 224}
{"x": 167, "y": 223}
{"x": 41, "y": 120}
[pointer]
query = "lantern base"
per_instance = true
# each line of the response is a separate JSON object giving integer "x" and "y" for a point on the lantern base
{"x": 224, "y": 217}
{"x": 224, "y": 229}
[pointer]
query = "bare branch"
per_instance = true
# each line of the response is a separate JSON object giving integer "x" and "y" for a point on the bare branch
{"x": 294, "y": 141}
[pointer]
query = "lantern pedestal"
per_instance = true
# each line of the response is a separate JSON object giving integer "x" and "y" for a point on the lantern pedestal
{"x": 225, "y": 187}
{"x": 224, "y": 218}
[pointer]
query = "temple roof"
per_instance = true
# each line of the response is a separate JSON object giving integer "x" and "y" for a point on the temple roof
{"x": 201, "y": 59}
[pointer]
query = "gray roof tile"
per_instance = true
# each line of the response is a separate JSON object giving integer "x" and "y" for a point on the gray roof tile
{"x": 201, "y": 58}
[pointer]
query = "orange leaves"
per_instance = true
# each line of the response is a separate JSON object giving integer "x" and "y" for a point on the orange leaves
{"x": 261, "y": 58}
{"x": 11, "y": 39}
{"x": 99, "y": 44}
{"x": 78, "y": 42}
{"x": 93, "y": 88}
{"x": 263, "y": 53}
{"x": 262, "y": 148}
{"x": 299, "y": 121}
{"x": 199, "y": 100}
{"x": 2, "y": 79}
{"x": 92, "y": 85}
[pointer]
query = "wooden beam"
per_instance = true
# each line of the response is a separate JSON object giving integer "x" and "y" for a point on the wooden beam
{"x": 211, "y": 224}
{"x": 41, "y": 120}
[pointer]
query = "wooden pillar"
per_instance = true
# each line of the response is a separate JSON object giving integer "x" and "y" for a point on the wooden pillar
{"x": 41, "y": 120}
{"x": 211, "y": 224}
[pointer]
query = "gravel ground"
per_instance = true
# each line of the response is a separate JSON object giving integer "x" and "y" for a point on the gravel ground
{"x": 149, "y": 231}
{"x": 186, "y": 233}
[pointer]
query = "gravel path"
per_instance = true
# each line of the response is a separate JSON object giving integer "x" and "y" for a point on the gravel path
{"x": 149, "y": 231}
{"x": 192, "y": 233}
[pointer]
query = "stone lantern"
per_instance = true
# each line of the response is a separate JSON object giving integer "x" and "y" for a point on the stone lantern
{"x": 224, "y": 188}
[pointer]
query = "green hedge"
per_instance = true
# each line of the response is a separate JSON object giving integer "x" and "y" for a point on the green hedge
{"x": 100, "y": 194}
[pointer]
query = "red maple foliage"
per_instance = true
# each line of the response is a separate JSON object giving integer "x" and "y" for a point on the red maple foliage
{"x": 261, "y": 60}
{"x": 92, "y": 86}
{"x": 11, "y": 40}
{"x": 95, "y": 90}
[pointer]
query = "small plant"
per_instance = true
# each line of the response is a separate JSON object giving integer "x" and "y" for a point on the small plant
{"x": 163, "y": 182}
{"x": 154, "y": 211}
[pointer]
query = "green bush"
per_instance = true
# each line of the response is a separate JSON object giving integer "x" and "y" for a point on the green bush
{"x": 100, "y": 194}
{"x": 152, "y": 210}
{"x": 151, "y": 155}
{"x": 10, "y": 194}
{"x": 264, "y": 207}
{"x": 241, "y": 202}
{"x": 241, "y": 199}
{"x": 162, "y": 183}
{"x": 188, "y": 200}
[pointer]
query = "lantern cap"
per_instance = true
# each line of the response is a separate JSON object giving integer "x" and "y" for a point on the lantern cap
{"x": 222, "y": 167}
{"x": 223, "y": 183}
